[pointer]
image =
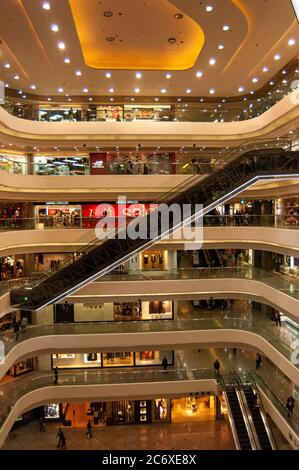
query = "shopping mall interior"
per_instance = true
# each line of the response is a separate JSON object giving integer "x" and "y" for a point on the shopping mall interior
{"x": 149, "y": 220}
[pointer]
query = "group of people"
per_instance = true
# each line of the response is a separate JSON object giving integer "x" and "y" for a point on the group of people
{"x": 9, "y": 216}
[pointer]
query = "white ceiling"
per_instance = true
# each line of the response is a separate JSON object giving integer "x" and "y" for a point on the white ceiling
{"x": 259, "y": 29}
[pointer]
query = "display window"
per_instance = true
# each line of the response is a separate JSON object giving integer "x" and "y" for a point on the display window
{"x": 77, "y": 361}
{"x": 110, "y": 113}
{"x": 161, "y": 410}
{"x": 62, "y": 166}
{"x": 15, "y": 164}
{"x": 118, "y": 359}
{"x": 152, "y": 358}
{"x": 127, "y": 311}
{"x": 11, "y": 267}
{"x": 193, "y": 408}
{"x": 92, "y": 213}
{"x": 52, "y": 411}
{"x": 147, "y": 113}
{"x": 59, "y": 114}
{"x": 21, "y": 367}
{"x": 58, "y": 215}
{"x": 154, "y": 260}
{"x": 44, "y": 262}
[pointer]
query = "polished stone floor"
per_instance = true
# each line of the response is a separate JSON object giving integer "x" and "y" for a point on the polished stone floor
{"x": 201, "y": 435}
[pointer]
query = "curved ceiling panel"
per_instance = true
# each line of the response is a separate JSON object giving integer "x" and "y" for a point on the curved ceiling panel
{"x": 115, "y": 37}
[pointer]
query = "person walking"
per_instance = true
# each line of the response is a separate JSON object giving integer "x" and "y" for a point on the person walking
{"x": 24, "y": 323}
{"x": 88, "y": 429}
{"x": 42, "y": 427}
{"x": 277, "y": 318}
{"x": 61, "y": 439}
{"x": 164, "y": 364}
{"x": 290, "y": 405}
{"x": 55, "y": 381}
{"x": 258, "y": 361}
{"x": 217, "y": 367}
{"x": 17, "y": 330}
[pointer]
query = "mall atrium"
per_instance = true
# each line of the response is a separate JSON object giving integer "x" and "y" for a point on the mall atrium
{"x": 120, "y": 329}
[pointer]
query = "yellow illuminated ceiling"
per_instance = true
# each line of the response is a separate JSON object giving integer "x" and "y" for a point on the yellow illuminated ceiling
{"x": 152, "y": 35}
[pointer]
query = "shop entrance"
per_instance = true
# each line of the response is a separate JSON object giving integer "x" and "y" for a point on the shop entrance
{"x": 193, "y": 409}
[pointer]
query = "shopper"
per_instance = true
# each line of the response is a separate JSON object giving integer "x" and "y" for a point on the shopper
{"x": 217, "y": 367}
{"x": 17, "y": 330}
{"x": 290, "y": 405}
{"x": 234, "y": 351}
{"x": 55, "y": 381}
{"x": 88, "y": 429}
{"x": 258, "y": 361}
{"x": 164, "y": 363}
{"x": 277, "y": 318}
{"x": 42, "y": 424}
{"x": 61, "y": 439}
{"x": 24, "y": 323}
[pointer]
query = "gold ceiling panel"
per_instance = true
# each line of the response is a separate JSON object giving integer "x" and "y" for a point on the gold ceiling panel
{"x": 136, "y": 34}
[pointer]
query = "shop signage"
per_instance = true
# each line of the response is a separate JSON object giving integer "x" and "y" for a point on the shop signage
{"x": 57, "y": 203}
{"x": 98, "y": 164}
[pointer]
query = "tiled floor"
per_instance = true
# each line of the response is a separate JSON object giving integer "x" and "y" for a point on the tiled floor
{"x": 201, "y": 435}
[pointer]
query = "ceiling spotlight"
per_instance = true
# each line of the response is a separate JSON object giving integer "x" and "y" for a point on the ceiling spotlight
{"x": 178, "y": 16}
{"x": 85, "y": 90}
{"x": 69, "y": 99}
{"x": 111, "y": 99}
{"x": 137, "y": 90}
{"x": 90, "y": 99}
{"x": 78, "y": 73}
{"x": 271, "y": 83}
{"x": 16, "y": 77}
{"x": 60, "y": 90}
{"x": 163, "y": 90}
{"x": 225, "y": 27}
{"x": 168, "y": 76}
{"x": 199, "y": 74}
{"x": 211, "y": 91}
{"x": 156, "y": 99}
{"x": 6, "y": 85}
{"x": 61, "y": 45}
{"x": 111, "y": 90}
{"x": 46, "y": 6}
{"x": 7, "y": 65}
{"x": 277, "y": 57}
{"x": 292, "y": 42}
{"x": 138, "y": 74}
{"x": 188, "y": 91}
{"x": 67, "y": 60}
{"x": 108, "y": 14}
{"x": 284, "y": 72}
{"x": 209, "y": 8}
{"x": 220, "y": 47}
{"x": 49, "y": 99}
{"x": 265, "y": 69}
{"x": 212, "y": 61}
{"x": 108, "y": 75}
{"x": 255, "y": 80}
{"x": 240, "y": 89}
{"x": 172, "y": 40}
{"x": 54, "y": 27}
{"x": 33, "y": 87}
{"x": 132, "y": 99}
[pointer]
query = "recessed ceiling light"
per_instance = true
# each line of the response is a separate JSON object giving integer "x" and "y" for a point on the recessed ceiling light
{"x": 209, "y": 8}
{"x": 240, "y": 89}
{"x": 24, "y": 97}
{"x": 49, "y": 99}
{"x": 271, "y": 83}
{"x": 46, "y": 6}
{"x": 90, "y": 99}
{"x": 67, "y": 60}
{"x": 7, "y": 65}
{"x": 85, "y": 90}
{"x": 20, "y": 92}
{"x": 277, "y": 57}
{"x": 16, "y": 77}
{"x": 111, "y": 90}
{"x": 225, "y": 27}
{"x": 211, "y": 91}
{"x": 178, "y": 16}
{"x": 252, "y": 92}
{"x": 265, "y": 69}
{"x": 108, "y": 75}
{"x": 163, "y": 90}
{"x": 212, "y": 61}
{"x": 60, "y": 90}
{"x": 137, "y": 90}
{"x": 188, "y": 91}
{"x": 255, "y": 80}
{"x": 33, "y": 87}
{"x": 199, "y": 74}
{"x": 291, "y": 42}
{"x": 132, "y": 99}
{"x": 111, "y": 99}
{"x": 156, "y": 99}
{"x": 78, "y": 73}
{"x": 138, "y": 74}
{"x": 6, "y": 85}
{"x": 220, "y": 47}
{"x": 284, "y": 72}
{"x": 172, "y": 40}
{"x": 54, "y": 27}
{"x": 61, "y": 45}
{"x": 168, "y": 76}
{"x": 108, "y": 14}
{"x": 69, "y": 99}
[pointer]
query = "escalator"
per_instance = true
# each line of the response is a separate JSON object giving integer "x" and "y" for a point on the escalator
{"x": 259, "y": 424}
{"x": 101, "y": 256}
{"x": 238, "y": 424}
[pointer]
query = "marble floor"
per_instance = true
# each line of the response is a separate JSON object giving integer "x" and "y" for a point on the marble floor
{"x": 200, "y": 435}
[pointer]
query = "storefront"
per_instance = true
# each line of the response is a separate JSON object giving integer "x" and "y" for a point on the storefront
{"x": 290, "y": 211}
{"x": 57, "y": 214}
{"x": 60, "y": 166}
{"x": 51, "y": 114}
{"x": 95, "y": 360}
{"x": 132, "y": 163}
{"x": 15, "y": 164}
{"x": 45, "y": 262}
{"x": 12, "y": 266}
{"x": 154, "y": 260}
